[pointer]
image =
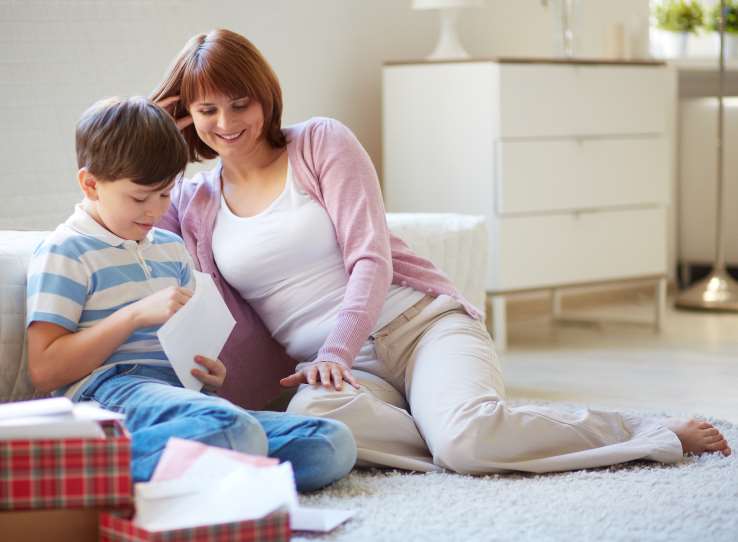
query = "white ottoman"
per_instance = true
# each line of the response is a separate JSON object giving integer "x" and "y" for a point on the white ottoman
{"x": 456, "y": 243}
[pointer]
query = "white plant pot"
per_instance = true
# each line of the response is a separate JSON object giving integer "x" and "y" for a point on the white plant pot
{"x": 674, "y": 44}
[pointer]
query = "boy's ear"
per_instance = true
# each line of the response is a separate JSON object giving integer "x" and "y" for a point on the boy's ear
{"x": 88, "y": 184}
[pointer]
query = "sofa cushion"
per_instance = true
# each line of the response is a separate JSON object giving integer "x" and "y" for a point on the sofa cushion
{"x": 455, "y": 243}
{"x": 16, "y": 248}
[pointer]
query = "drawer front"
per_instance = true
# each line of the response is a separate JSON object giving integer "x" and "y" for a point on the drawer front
{"x": 543, "y": 251}
{"x": 570, "y": 174}
{"x": 552, "y": 100}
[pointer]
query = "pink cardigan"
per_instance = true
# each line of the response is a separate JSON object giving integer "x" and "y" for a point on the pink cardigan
{"x": 330, "y": 164}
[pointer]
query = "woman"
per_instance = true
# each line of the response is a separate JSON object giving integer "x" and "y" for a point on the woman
{"x": 291, "y": 224}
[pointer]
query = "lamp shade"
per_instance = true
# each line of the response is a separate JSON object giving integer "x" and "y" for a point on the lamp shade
{"x": 444, "y": 4}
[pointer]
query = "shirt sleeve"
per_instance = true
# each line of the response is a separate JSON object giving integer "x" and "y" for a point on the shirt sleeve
{"x": 57, "y": 288}
{"x": 353, "y": 200}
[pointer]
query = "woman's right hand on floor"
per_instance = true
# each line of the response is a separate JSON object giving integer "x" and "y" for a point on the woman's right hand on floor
{"x": 331, "y": 376}
{"x": 157, "y": 308}
{"x": 169, "y": 105}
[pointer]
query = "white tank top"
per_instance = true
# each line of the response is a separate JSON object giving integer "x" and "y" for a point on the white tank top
{"x": 285, "y": 261}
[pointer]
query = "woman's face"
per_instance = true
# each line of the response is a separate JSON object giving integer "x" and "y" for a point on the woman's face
{"x": 229, "y": 126}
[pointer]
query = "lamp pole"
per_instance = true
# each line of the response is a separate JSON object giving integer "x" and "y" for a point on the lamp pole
{"x": 717, "y": 292}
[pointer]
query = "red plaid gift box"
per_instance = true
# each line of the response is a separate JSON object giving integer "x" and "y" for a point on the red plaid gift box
{"x": 272, "y": 528}
{"x": 67, "y": 473}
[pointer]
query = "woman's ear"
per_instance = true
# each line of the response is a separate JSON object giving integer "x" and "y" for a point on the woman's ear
{"x": 88, "y": 183}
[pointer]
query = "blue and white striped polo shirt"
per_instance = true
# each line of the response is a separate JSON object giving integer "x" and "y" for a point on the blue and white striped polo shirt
{"x": 83, "y": 273}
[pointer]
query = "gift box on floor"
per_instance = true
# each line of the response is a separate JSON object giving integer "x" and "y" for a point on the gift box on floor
{"x": 68, "y": 524}
{"x": 67, "y": 472}
{"x": 274, "y": 527}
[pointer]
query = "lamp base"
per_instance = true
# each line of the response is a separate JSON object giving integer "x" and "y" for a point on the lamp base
{"x": 717, "y": 292}
{"x": 449, "y": 46}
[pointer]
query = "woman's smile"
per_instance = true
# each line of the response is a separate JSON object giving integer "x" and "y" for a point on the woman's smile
{"x": 230, "y": 137}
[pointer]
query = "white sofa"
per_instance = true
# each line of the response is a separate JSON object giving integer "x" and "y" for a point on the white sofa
{"x": 456, "y": 243}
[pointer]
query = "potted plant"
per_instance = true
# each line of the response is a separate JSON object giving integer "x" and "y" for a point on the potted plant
{"x": 731, "y": 25}
{"x": 677, "y": 18}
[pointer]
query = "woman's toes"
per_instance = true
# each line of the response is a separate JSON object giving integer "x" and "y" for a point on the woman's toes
{"x": 719, "y": 445}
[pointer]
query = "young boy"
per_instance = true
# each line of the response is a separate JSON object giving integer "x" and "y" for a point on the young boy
{"x": 101, "y": 285}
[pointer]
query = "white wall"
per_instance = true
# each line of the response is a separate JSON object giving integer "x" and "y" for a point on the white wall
{"x": 57, "y": 57}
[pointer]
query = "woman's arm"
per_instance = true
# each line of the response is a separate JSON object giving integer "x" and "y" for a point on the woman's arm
{"x": 350, "y": 191}
{"x": 353, "y": 200}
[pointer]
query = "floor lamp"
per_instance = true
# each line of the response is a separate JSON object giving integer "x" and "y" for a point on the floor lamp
{"x": 717, "y": 292}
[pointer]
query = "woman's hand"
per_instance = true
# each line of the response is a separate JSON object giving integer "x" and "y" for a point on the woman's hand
{"x": 331, "y": 375}
{"x": 214, "y": 372}
{"x": 169, "y": 105}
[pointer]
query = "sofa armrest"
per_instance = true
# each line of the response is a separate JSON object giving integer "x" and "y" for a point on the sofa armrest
{"x": 16, "y": 248}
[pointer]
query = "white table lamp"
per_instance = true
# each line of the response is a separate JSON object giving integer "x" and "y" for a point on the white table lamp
{"x": 448, "y": 47}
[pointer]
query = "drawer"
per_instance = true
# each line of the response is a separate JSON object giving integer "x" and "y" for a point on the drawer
{"x": 554, "y": 100}
{"x": 550, "y": 250}
{"x": 586, "y": 173}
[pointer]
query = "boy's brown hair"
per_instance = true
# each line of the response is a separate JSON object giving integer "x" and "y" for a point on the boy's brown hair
{"x": 130, "y": 138}
{"x": 224, "y": 62}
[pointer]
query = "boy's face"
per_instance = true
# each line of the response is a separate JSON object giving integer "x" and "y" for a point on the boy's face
{"x": 127, "y": 209}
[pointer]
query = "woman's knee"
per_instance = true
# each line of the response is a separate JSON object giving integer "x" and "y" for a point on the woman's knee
{"x": 318, "y": 401}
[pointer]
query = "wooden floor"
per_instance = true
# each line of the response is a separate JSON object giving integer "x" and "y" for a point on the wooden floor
{"x": 691, "y": 366}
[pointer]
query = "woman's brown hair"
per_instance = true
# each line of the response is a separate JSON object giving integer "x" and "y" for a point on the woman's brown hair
{"x": 224, "y": 62}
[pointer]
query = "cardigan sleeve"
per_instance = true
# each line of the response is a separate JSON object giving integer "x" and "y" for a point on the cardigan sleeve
{"x": 349, "y": 187}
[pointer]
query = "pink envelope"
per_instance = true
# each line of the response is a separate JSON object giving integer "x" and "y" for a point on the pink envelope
{"x": 179, "y": 454}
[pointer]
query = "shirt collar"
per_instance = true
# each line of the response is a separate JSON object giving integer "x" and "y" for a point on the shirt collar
{"x": 82, "y": 222}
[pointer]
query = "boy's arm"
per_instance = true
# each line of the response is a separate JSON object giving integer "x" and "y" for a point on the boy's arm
{"x": 57, "y": 356}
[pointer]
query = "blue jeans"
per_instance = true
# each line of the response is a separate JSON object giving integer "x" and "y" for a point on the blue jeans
{"x": 157, "y": 407}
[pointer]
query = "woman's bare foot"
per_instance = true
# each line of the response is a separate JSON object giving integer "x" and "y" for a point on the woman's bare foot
{"x": 699, "y": 437}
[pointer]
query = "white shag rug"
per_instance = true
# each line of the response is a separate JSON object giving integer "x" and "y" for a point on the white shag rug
{"x": 694, "y": 500}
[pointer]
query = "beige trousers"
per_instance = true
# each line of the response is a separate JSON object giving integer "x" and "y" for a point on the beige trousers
{"x": 432, "y": 396}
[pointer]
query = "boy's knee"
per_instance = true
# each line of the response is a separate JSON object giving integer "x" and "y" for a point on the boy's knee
{"x": 343, "y": 447}
{"x": 248, "y": 436}
{"x": 332, "y": 455}
{"x": 237, "y": 430}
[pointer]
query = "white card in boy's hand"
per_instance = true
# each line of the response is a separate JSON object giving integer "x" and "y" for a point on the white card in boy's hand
{"x": 201, "y": 327}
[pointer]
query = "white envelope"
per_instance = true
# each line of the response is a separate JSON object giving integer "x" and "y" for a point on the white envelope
{"x": 219, "y": 490}
{"x": 216, "y": 488}
{"x": 37, "y": 407}
{"x": 54, "y": 418}
{"x": 320, "y": 520}
{"x": 201, "y": 327}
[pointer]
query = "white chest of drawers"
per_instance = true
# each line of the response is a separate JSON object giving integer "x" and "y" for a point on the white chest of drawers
{"x": 569, "y": 162}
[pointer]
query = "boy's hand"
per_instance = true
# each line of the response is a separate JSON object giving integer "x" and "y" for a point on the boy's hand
{"x": 159, "y": 307}
{"x": 331, "y": 376}
{"x": 214, "y": 372}
{"x": 171, "y": 105}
